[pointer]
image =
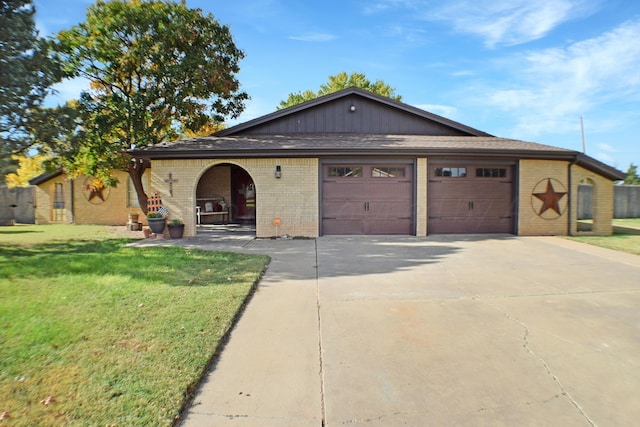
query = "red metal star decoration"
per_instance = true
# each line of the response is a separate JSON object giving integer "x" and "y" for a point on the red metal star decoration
{"x": 95, "y": 188}
{"x": 550, "y": 199}
{"x": 96, "y": 192}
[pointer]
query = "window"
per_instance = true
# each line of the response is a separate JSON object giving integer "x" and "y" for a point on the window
{"x": 58, "y": 196}
{"x": 346, "y": 171}
{"x": 491, "y": 172}
{"x": 451, "y": 172}
{"x": 132, "y": 196}
{"x": 387, "y": 172}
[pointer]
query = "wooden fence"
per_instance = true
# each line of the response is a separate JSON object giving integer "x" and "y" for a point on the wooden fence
{"x": 17, "y": 205}
{"x": 626, "y": 201}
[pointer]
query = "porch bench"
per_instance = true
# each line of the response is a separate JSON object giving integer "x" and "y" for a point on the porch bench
{"x": 207, "y": 207}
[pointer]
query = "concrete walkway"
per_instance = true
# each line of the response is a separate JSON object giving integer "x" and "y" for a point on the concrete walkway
{"x": 446, "y": 330}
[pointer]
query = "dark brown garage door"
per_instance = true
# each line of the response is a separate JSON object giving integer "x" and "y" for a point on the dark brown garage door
{"x": 367, "y": 199}
{"x": 470, "y": 199}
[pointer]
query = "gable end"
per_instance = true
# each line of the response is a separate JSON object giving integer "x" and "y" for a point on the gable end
{"x": 352, "y": 110}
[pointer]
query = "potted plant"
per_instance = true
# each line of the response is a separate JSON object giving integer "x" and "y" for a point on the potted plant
{"x": 156, "y": 222}
{"x": 176, "y": 229}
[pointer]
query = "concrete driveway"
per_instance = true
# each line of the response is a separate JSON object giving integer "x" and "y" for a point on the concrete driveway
{"x": 447, "y": 330}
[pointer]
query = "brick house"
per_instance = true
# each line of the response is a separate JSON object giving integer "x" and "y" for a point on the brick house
{"x": 354, "y": 162}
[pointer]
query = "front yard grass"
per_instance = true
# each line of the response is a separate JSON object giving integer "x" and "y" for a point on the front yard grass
{"x": 96, "y": 333}
{"x": 625, "y": 238}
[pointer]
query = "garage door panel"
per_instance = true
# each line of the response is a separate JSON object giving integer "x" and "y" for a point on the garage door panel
{"x": 344, "y": 190}
{"x": 377, "y": 201}
{"x": 343, "y": 226}
{"x": 398, "y": 226}
{"x": 453, "y": 189}
{"x": 391, "y": 209}
{"x": 469, "y": 225}
{"x": 480, "y": 201}
{"x": 449, "y": 207}
{"x": 347, "y": 209}
{"x": 470, "y": 189}
{"x": 493, "y": 207}
{"x": 383, "y": 189}
{"x": 492, "y": 190}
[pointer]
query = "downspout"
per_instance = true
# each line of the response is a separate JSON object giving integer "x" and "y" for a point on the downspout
{"x": 569, "y": 204}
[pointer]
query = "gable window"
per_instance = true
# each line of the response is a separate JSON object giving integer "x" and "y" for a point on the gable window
{"x": 387, "y": 172}
{"x": 491, "y": 172}
{"x": 346, "y": 171}
{"x": 453, "y": 172}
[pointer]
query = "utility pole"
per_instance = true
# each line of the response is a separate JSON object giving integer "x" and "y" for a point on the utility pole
{"x": 584, "y": 149}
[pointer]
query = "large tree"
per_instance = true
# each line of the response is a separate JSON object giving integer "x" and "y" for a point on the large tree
{"x": 156, "y": 69}
{"x": 26, "y": 75}
{"x": 338, "y": 82}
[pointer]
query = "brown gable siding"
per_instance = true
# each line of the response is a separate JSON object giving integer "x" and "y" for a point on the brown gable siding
{"x": 369, "y": 117}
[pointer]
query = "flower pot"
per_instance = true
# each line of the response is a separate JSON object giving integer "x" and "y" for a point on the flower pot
{"x": 157, "y": 225}
{"x": 176, "y": 231}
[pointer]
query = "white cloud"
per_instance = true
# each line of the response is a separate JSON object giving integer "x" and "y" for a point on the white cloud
{"x": 384, "y": 5}
{"x": 314, "y": 37}
{"x": 497, "y": 22}
{"x": 547, "y": 90}
{"x": 462, "y": 73}
{"x": 508, "y": 22}
{"x": 606, "y": 147}
{"x": 441, "y": 110}
{"x": 604, "y": 157}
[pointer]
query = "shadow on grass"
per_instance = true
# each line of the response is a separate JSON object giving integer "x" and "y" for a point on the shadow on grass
{"x": 12, "y": 230}
{"x": 626, "y": 230}
{"x": 176, "y": 266}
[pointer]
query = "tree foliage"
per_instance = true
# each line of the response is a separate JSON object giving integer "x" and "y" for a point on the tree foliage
{"x": 338, "y": 82}
{"x": 29, "y": 167}
{"x": 157, "y": 69}
{"x": 632, "y": 176}
{"x": 26, "y": 75}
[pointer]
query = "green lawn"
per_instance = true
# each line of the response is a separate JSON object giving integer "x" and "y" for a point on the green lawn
{"x": 116, "y": 335}
{"x": 625, "y": 238}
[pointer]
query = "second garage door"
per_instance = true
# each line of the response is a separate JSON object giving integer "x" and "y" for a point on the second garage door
{"x": 367, "y": 199}
{"x": 473, "y": 198}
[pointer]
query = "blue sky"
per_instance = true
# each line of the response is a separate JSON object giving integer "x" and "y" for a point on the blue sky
{"x": 524, "y": 69}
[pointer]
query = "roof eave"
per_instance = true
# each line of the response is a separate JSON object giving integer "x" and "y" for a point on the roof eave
{"x": 363, "y": 152}
{"x": 599, "y": 167}
{"x": 45, "y": 177}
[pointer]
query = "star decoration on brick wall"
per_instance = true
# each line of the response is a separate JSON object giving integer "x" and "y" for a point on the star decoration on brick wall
{"x": 95, "y": 190}
{"x": 550, "y": 199}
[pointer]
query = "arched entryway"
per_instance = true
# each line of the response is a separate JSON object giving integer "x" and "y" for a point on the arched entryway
{"x": 586, "y": 198}
{"x": 226, "y": 195}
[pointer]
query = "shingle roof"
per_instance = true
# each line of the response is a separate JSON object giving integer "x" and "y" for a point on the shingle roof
{"x": 44, "y": 177}
{"x": 307, "y": 144}
{"x": 310, "y": 145}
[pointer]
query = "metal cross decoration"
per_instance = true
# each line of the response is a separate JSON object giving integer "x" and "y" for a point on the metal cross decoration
{"x": 170, "y": 181}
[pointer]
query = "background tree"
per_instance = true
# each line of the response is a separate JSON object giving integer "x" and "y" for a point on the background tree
{"x": 157, "y": 68}
{"x": 338, "y": 82}
{"x": 26, "y": 75}
{"x": 29, "y": 167}
{"x": 632, "y": 176}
